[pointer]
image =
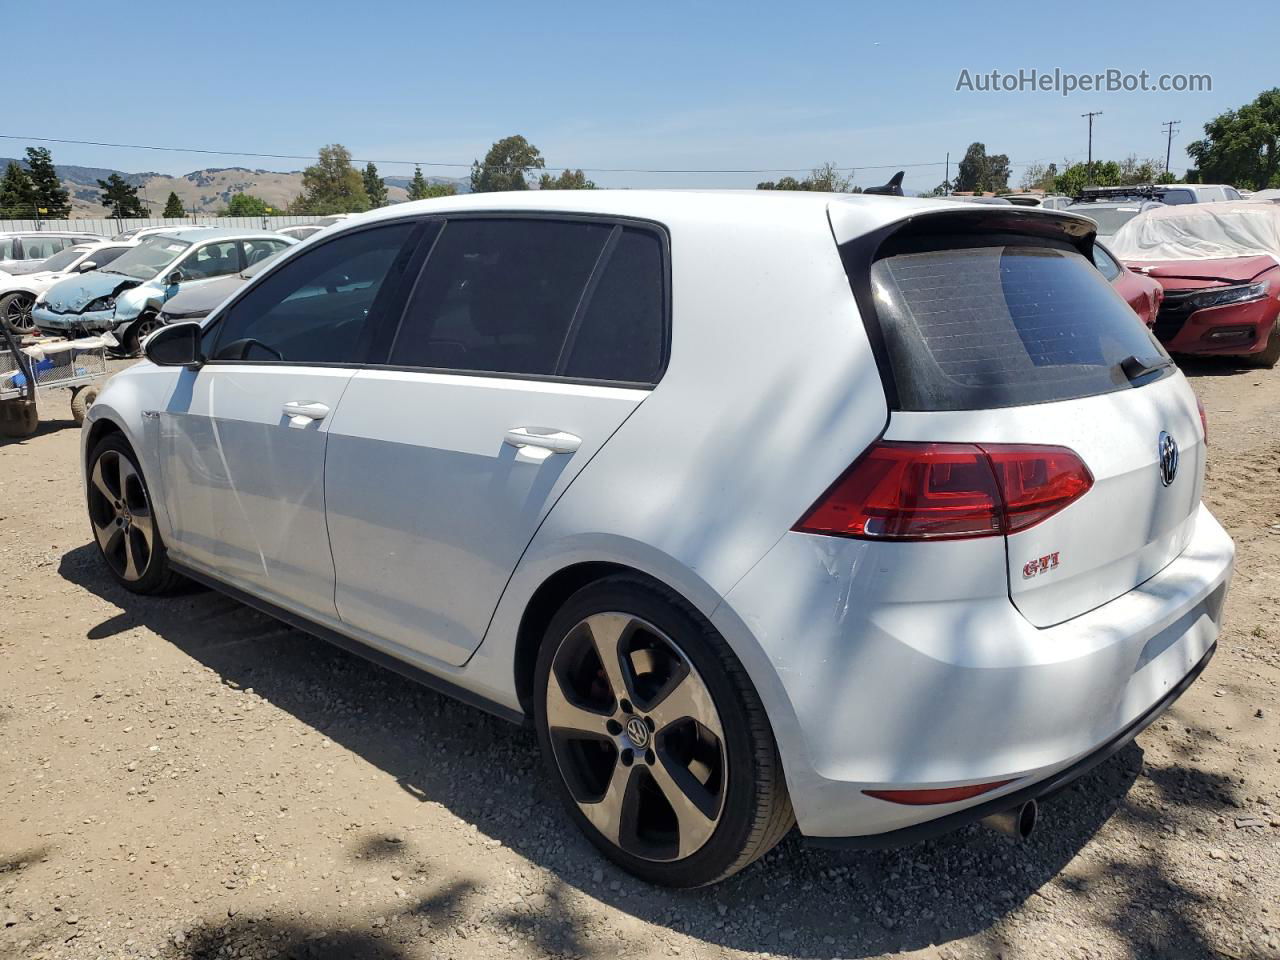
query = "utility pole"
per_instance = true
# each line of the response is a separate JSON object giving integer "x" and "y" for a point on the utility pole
{"x": 947, "y": 179}
{"x": 1088, "y": 170}
{"x": 1170, "y": 126}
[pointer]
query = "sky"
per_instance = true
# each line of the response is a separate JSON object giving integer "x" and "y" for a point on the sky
{"x": 614, "y": 88}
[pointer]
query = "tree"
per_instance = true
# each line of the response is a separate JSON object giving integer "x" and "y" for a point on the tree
{"x": 1128, "y": 172}
{"x": 247, "y": 205}
{"x": 17, "y": 194}
{"x": 982, "y": 173}
{"x": 568, "y": 180}
{"x": 121, "y": 197}
{"x": 173, "y": 207}
{"x": 505, "y": 166}
{"x": 49, "y": 192}
{"x": 1241, "y": 147}
{"x": 418, "y": 185}
{"x": 332, "y": 185}
{"x": 826, "y": 178}
{"x": 374, "y": 187}
{"x": 1039, "y": 176}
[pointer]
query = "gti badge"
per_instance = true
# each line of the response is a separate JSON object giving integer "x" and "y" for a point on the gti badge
{"x": 1167, "y": 449}
{"x": 1041, "y": 565}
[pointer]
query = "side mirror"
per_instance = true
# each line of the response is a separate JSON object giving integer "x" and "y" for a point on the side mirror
{"x": 175, "y": 345}
{"x": 86, "y": 266}
{"x": 175, "y": 277}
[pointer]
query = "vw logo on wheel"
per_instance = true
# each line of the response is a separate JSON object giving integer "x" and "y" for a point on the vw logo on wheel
{"x": 1167, "y": 449}
{"x": 638, "y": 732}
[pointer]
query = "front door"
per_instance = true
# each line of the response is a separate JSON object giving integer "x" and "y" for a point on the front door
{"x": 245, "y": 436}
{"x": 525, "y": 346}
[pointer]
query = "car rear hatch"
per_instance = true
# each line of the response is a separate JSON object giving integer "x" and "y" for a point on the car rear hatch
{"x": 995, "y": 333}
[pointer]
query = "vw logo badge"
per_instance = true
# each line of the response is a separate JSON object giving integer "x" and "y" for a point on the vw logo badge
{"x": 1167, "y": 448}
{"x": 638, "y": 732}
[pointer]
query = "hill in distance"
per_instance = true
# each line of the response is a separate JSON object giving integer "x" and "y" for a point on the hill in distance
{"x": 203, "y": 191}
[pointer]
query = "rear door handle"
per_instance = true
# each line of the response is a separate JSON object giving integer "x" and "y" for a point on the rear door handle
{"x": 541, "y": 438}
{"x": 300, "y": 413}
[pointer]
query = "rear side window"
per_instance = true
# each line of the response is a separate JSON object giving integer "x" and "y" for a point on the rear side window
{"x": 543, "y": 298}
{"x": 994, "y": 326}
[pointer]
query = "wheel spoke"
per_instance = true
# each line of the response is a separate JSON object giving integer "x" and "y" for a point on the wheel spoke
{"x": 107, "y": 534}
{"x": 146, "y": 529}
{"x": 100, "y": 481}
{"x": 606, "y": 813}
{"x": 686, "y": 699}
{"x": 564, "y": 715}
{"x": 607, "y": 630}
{"x": 695, "y": 826}
{"x": 131, "y": 571}
{"x": 125, "y": 471}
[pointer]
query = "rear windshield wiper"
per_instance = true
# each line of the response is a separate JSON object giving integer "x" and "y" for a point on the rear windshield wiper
{"x": 1134, "y": 367}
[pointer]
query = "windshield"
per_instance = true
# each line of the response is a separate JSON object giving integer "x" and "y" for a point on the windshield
{"x": 60, "y": 261}
{"x": 1108, "y": 219}
{"x": 148, "y": 258}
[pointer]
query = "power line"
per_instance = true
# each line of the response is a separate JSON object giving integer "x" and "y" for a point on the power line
{"x": 438, "y": 163}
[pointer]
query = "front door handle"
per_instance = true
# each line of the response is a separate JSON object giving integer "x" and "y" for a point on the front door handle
{"x": 541, "y": 438}
{"x": 299, "y": 412}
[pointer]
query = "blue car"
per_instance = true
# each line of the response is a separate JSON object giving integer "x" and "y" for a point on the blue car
{"x": 125, "y": 297}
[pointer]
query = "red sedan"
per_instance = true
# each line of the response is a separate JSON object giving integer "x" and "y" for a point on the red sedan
{"x": 1220, "y": 270}
{"x": 1139, "y": 291}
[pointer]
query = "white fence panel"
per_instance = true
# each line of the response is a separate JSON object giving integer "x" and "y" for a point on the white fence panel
{"x": 110, "y": 227}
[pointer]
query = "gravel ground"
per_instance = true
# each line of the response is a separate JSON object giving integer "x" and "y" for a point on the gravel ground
{"x": 185, "y": 778}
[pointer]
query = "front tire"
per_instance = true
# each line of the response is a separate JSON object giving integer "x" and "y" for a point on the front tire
{"x": 15, "y": 312}
{"x": 123, "y": 522}
{"x": 138, "y": 331}
{"x": 655, "y": 738}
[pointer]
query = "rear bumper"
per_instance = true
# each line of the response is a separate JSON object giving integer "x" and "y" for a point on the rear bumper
{"x": 875, "y": 691}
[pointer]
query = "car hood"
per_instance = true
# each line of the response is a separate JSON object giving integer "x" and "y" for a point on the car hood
{"x": 75, "y": 293}
{"x": 202, "y": 297}
{"x": 1231, "y": 270}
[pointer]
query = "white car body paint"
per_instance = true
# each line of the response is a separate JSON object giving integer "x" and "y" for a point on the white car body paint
{"x": 903, "y": 664}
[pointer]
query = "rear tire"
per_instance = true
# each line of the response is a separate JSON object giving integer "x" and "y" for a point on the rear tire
{"x": 122, "y": 520}
{"x": 15, "y": 311}
{"x": 1269, "y": 356}
{"x": 677, "y": 779}
{"x": 82, "y": 398}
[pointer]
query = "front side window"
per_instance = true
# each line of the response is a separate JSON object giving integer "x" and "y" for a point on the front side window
{"x": 64, "y": 259}
{"x": 317, "y": 306}
{"x": 211, "y": 260}
{"x": 41, "y": 248}
{"x": 148, "y": 258}
{"x": 528, "y": 297}
{"x": 106, "y": 255}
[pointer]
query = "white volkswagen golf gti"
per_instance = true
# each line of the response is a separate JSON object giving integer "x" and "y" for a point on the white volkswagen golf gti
{"x": 871, "y": 515}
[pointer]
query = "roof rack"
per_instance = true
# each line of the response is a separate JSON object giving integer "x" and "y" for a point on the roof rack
{"x": 1144, "y": 191}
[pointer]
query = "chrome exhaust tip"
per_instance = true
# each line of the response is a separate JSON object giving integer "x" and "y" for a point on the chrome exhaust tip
{"x": 1016, "y": 822}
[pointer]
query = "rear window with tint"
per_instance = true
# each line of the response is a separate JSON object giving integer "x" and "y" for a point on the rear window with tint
{"x": 996, "y": 326}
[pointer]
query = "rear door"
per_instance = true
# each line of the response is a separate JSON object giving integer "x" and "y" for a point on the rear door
{"x": 244, "y": 437}
{"x": 1019, "y": 340}
{"x": 526, "y": 343}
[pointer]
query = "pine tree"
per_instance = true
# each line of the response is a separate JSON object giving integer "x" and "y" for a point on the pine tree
{"x": 17, "y": 194}
{"x": 49, "y": 193}
{"x": 173, "y": 207}
{"x": 374, "y": 187}
{"x": 418, "y": 185}
{"x": 121, "y": 197}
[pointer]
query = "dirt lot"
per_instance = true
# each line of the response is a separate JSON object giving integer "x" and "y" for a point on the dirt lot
{"x": 185, "y": 778}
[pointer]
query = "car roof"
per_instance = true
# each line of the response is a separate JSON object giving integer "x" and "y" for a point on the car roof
{"x": 201, "y": 234}
{"x": 856, "y": 211}
{"x": 46, "y": 233}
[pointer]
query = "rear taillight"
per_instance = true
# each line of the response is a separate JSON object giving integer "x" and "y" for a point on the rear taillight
{"x": 1204, "y": 422}
{"x": 920, "y": 798}
{"x": 947, "y": 491}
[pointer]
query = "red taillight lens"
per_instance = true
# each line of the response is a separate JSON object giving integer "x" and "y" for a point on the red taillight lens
{"x": 947, "y": 491}
{"x": 1204, "y": 421}
{"x": 920, "y": 798}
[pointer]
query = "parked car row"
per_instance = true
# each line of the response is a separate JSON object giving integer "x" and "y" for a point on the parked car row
{"x": 125, "y": 297}
{"x": 18, "y": 293}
